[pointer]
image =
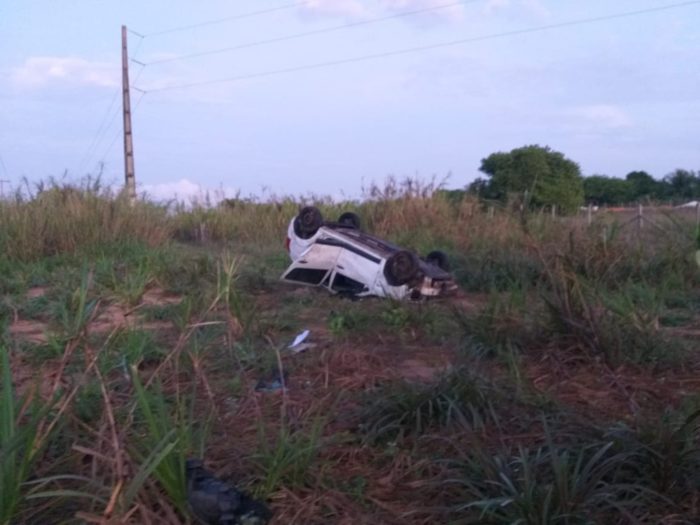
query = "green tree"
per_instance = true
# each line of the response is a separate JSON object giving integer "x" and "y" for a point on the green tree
{"x": 538, "y": 174}
{"x": 601, "y": 189}
{"x": 643, "y": 186}
{"x": 683, "y": 184}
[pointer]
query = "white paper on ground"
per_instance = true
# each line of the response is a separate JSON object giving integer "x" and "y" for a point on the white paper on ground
{"x": 299, "y": 338}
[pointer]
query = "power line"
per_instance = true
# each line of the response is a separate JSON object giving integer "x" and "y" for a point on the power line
{"x": 100, "y": 132}
{"x": 119, "y": 131}
{"x": 107, "y": 121}
{"x": 313, "y": 32}
{"x": 410, "y": 50}
{"x": 229, "y": 18}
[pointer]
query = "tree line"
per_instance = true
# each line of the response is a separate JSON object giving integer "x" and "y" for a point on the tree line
{"x": 537, "y": 176}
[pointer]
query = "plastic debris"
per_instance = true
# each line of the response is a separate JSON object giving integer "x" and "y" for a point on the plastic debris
{"x": 215, "y": 502}
{"x": 303, "y": 347}
{"x": 300, "y": 338}
{"x": 299, "y": 345}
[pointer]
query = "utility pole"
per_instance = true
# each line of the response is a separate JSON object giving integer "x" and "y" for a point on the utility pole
{"x": 129, "y": 176}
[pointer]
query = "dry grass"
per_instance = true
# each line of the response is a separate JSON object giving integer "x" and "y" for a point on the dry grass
{"x": 63, "y": 218}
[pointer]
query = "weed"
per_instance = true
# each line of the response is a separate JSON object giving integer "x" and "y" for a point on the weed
{"x": 76, "y": 310}
{"x": 666, "y": 453}
{"x": 506, "y": 322}
{"x": 131, "y": 286}
{"x": 287, "y": 458}
{"x": 351, "y": 319}
{"x": 39, "y": 353}
{"x": 396, "y": 315}
{"x": 131, "y": 348}
{"x": 552, "y": 484}
{"x": 459, "y": 397}
{"x": 87, "y": 405}
{"x": 159, "y": 312}
{"x": 170, "y": 436}
{"x": 21, "y": 443}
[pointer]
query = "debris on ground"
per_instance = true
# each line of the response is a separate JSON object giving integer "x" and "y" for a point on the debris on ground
{"x": 299, "y": 339}
{"x": 216, "y": 502}
{"x": 299, "y": 345}
{"x": 272, "y": 382}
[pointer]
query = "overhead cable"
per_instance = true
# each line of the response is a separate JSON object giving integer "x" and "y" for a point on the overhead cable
{"x": 229, "y": 18}
{"x": 119, "y": 132}
{"x": 314, "y": 32}
{"x": 108, "y": 121}
{"x": 410, "y": 50}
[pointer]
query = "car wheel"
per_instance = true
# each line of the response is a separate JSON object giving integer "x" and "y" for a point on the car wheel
{"x": 308, "y": 222}
{"x": 439, "y": 259}
{"x": 400, "y": 268}
{"x": 350, "y": 219}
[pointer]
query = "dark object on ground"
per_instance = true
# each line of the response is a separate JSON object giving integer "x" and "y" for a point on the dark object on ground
{"x": 350, "y": 219}
{"x": 218, "y": 503}
{"x": 439, "y": 259}
{"x": 272, "y": 382}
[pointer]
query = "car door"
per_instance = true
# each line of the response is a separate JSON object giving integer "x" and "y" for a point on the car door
{"x": 314, "y": 266}
{"x": 355, "y": 271}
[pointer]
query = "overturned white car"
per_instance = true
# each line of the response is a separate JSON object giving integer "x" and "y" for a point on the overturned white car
{"x": 345, "y": 260}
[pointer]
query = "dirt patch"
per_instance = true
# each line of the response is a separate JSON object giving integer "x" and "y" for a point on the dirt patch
{"x": 31, "y": 331}
{"x": 114, "y": 316}
{"x": 471, "y": 302}
{"x": 419, "y": 370}
{"x": 159, "y": 297}
{"x": 613, "y": 394}
{"x": 37, "y": 291}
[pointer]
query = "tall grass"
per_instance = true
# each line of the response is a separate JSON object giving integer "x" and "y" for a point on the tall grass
{"x": 21, "y": 442}
{"x": 58, "y": 218}
{"x": 491, "y": 247}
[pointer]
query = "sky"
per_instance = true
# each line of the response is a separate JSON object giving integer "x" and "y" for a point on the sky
{"x": 616, "y": 95}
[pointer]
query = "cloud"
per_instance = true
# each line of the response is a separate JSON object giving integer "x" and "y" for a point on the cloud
{"x": 184, "y": 190}
{"x": 342, "y": 8}
{"x": 38, "y": 72}
{"x": 601, "y": 116}
{"x": 531, "y": 7}
{"x": 369, "y": 9}
{"x": 452, "y": 13}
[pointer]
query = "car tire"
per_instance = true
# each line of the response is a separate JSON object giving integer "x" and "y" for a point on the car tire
{"x": 308, "y": 222}
{"x": 439, "y": 259}
{"x": 350, "y": 219}
{"x": 400, "y": 268}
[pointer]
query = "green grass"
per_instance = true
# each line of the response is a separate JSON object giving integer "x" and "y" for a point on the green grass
{"x": 459, "y": 398}
{"x": 286, "y": 457}
{"x": 552, "y": 484}
{"x": 21, "y": 443}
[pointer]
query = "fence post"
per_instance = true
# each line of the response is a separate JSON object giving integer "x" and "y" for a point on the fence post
{"x": 605, "y": 237}
{"x": 554, "y": 211}
{"x": 640, "y": 217}
{"x": 590, "y": 213}
{"x": 490, "y": 212}
{"x": 697, "y": 214}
